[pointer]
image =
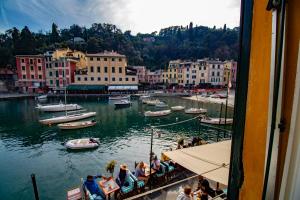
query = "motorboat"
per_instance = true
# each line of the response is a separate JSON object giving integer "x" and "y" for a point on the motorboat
{"x": 67, "y": 118}
{"x": 83, "y": 143}
{"x": 58, "y": 107}
{"x": 195, "y": 111}
{"x": 144, "y": 97}
{"x": 42, "y": 97}
{"x": 123, "y": 104}
{"x": 113, "y": 98}
{"x": 152, "y": 102}
{"x": 216, "y": 121}
{"x": 77, "y": 125}
{"x": 157, "y": 113}
{"x": 161, "y": 105}
{"x": 177, "y": 108}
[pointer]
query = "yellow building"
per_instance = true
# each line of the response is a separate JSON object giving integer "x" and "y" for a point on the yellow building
{"x": 107, "y": 69}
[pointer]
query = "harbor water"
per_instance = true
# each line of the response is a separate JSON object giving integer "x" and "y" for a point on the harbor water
{"x": 28, "y": 147}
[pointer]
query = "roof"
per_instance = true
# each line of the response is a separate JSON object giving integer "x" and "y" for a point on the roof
{"x": 106, "y": 54}
{"x": 74, "y": 87}
{"x": 209, "y": 160}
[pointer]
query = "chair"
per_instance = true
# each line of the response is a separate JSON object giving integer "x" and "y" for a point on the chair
{"x": 89, "y": 196}
{"x": 139, "y": 184}
{"x": 126, "y": 190}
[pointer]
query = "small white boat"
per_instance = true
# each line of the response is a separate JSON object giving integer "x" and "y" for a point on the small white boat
{"x": 123, "y": 104}
{"x": 157, "y": 113}
{"x": 195, "y": 111}
{"x": 84, "y": 143}
{"x": 76, "y": 125}
{"x": 161, "y": 105}
{"x": 177, "y": 108}
{"x": 112, "y": 98}
{"x": 153, "y": 102}
{"x": 216, "y": 121}
{"x": 67, "y": 118}
{"x": 58, "y": 107}
{"x": 42, "y": 97}
{"x": 145, "y": 97}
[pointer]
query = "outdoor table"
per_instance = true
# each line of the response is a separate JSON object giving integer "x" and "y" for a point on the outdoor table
{"x": 147, "y": 171}
{"x": 108, "y": 186}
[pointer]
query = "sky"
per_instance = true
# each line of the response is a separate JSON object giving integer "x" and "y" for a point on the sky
{"x": 144, "y": 16}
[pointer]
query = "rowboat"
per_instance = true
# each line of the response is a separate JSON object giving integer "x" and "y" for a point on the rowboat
{"x": 177, "y": 108}
{"x": 195, "y": 111}
{"x": 157, "y": 113}
{"x": 122, "y": 104}
{"x": 216, "y": 121}
{"x": 161, "y": 105}
{"x": 58, "y": 107}
{"x": 67, "y": 118}
{"x": 77, "y": 125}
{"x": 112, "y": 98}
{"x": 84, "y": 143}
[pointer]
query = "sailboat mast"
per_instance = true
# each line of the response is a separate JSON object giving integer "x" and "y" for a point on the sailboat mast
{"x": 65, "y": 85}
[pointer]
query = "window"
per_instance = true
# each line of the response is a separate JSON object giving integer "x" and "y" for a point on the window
{"x": 106, "y": 79}
{"x": 213, "y": 73}
{"x": 31, "y": 68}
{"x": 187, "y": 75}
{"x": 200, "y": 68}
{"x": 113, "y": 59}
{"x": 39, "y": 60}
{"x": 126, "y": 79}
{"x": 187, "y": 69}
{"x": 113, "y": 69}
{"x": 40, "y": 76}
{"x": 120, "y": 79}
{"x": 50, "y": 65}
{"x": 113, "y": 79}
{"x": 120, "y": 70}
{"x": 22, "y": 60}
{"x": 24, "y": 76}
{"x": 187, "y": 82}
{"x": 85, "y": 78}
{"x": 30, "y": 61}
{"x": 56, "y": 73}
{"x": 105, "y": 59}
{"x": 23, "y": 68}
{"x": 218, "y": 73}
{"x": 56, "y": 64}
{"x": 193, "y": 77}
{"x": 218, "y": 66}
{"x": 46, "y": 65}
{"x": 92, "y": 78}
{"x": 105, "y": 69}
{"x": 98, "y": 59}
{"x": 32, "y": 76}
{"x": 204, "y": 68}
{"x": 51, "y": 82}
{"x": 174, "y": 75}
{"x": 202, "y": 74}
{"x": 50, "y": 73}
{"x": 120, "y": 59}
{"x": 92, "y": 69}
{"x": 99, "y": 79}
{"x": 91, "y": 58}
{"x": 62, "y": 64}
{"x": 98, "y": 69}
{"x": 78, "y": 79}
{"x": 133, "y": 79}
{"x": 40, "y": 68}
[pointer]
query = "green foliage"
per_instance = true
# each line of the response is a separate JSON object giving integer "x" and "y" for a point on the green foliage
{"x": 154, "y": 50}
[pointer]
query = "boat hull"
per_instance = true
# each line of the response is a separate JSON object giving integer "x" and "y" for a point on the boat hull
{"x": 196, "y": 111}
{"x": 80, "y": 144}
{"x": 216, "y": 121}
{"x": 76, "y": 125}
{"x": 157, "y": 113}
{"x": 68, "y": 118}
{"x": 59, "y": 107}
{"x": 177, "y": 108}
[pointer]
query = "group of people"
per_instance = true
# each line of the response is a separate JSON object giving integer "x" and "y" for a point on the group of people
{"x": 202, "y": 192}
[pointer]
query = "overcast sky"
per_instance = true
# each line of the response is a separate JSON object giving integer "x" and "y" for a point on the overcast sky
{"x": 143, "y": 16}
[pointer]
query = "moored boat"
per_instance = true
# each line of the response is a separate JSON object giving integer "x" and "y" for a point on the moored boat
{"x": 177, "y": 108}
{"x": 152, "y": 102}
{"x": 42, "y": 97}
{"x": 77, "y": 125}
{"x": 122, "y": 104}
{"x": 161, "y": 105}
{"x": 67, "y": 118}
{"x": 195, "y": 111}
{"x": 112, "y": 98}
{"x": 83, "y": 143}
{"x": 58, "y": 107}
{"x": 157, "y": 113}
{"x": 216, "y": 121}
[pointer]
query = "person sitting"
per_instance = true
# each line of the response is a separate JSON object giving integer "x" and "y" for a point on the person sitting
{"x": 140, "y": 172}
{"x": 156, "y": 165}
{"x": 186, "y": 194}
{"x": 206, "y": 190}
{"x": 122, "y": 176}
{"x": 93, "y": 187}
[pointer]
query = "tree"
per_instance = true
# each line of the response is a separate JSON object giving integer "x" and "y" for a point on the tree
{"x": 27, "y": 42}
{"x": 54, "y": 34}
{"x": 92, "y": 45}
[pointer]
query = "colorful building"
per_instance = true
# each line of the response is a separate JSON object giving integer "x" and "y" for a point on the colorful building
{"x": 154, "y": 77}
{"x": 31, "y": 73}
{"x": 141, "y": 73}
{"x": 215, "y": 73}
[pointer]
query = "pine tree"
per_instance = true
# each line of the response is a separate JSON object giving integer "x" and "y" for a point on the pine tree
{"x": 54, "y": 34}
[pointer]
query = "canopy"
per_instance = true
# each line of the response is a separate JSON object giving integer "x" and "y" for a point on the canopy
{"x": 74, "y": 87}
{"x": 209, "y": 160}
{"x": 123, "y": 87}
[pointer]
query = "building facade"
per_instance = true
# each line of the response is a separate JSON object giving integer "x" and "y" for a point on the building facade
{"x": 31, "y": 73}
{"x": 141, "y": 73}
{"x": 154, "y": 77}
{"x": 215, "y": 73}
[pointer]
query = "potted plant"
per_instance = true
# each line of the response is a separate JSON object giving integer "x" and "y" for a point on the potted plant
{"x": 110, "y": 167}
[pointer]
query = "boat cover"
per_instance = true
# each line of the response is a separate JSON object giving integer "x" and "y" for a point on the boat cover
{"x": 210, "y": 160}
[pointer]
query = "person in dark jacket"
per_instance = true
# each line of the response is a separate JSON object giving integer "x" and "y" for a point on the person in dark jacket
{"x": 93, "y": 187}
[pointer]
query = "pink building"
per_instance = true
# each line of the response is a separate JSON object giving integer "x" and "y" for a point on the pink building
{"x": 141, "y": 73}
{"x": 233, "y": 73}
{"x": 31, "y": 73}
{"x": 154, "y": 77}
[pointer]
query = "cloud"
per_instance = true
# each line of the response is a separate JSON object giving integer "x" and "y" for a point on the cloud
{"x": 135, "y": 15}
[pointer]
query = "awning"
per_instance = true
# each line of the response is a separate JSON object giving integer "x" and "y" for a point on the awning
{"x": 123, "y": 87}
{"x": 209, "y": 160}
{"x": 85, "y": 87}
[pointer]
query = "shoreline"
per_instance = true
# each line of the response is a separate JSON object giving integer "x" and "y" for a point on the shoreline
{"x": 212, "y": 100}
